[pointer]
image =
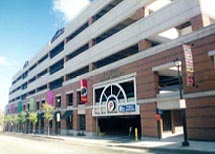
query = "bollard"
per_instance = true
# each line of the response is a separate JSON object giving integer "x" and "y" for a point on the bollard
{"x": 136, "y": 134}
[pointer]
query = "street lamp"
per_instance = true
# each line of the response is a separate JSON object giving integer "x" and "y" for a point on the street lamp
{"x": 178, "y": 63}
{"x": 58, "y": 115}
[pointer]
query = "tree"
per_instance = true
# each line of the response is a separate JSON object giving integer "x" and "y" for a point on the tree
{"x": 1, "y": 118}
{"x": 48, "y": 113}
{"x": 8, "y": 120}
{"x": 15, "y": 120}
{"x": 33, "y": 118}
{"x": 22, "y": 119}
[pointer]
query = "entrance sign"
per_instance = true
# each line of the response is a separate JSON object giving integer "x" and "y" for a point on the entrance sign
{"x": 111, "y": 98}
{"x": 111, "y": 106}
{"x": 127, "y": 108}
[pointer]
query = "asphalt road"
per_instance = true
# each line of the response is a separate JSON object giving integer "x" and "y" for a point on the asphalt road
{"x": 33, "y": 145}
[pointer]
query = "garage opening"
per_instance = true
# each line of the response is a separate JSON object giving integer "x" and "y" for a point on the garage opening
{"x": 120, "y": 125}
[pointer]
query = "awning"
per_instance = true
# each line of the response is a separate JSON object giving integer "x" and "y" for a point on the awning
{"x": 67, "y": 114}
{"x": 40, "y": 115}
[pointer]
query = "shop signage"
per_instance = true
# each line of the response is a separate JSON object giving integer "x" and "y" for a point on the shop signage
{"x": 57, "y": 34}
{"x": 189, "y": 65}
{"x": 111, "y": 74}
{"x": 111, "y": 106}
{"x": 127, "y": 108}
{"x": 83, "y": 91}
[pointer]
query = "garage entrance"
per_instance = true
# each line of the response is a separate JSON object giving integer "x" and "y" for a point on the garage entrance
{"x": 119, "y": 125}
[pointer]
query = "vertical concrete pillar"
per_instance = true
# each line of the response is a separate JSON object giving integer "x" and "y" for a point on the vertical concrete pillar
{"x": 91, "y": 21}
{"x": 156, "y": 83}
{"x": 65, "y": 59}
{"x": 65, "y": 40}
{"x": 91, "y": 43}
{"x": 148, "y": 121}
{"x": 63, "y": 127}
{"x": 90, "y": 123}
{"x": 64, "y": 78}
{"x": 91, "y": 67}
{"x": 199, "y": 22}
{"x": 75, "y": 120}
{"x": 144, "y": 44}
{"x": 140, "y": 13}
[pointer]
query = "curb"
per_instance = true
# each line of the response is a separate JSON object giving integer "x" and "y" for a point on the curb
{"x": 184, "y": 151}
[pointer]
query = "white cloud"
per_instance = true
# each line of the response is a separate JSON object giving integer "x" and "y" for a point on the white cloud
{"x": 66, "y": 10}
{"x": 5, "y": 62}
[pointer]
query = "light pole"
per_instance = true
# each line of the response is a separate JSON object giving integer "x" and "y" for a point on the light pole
{"x": 58, "y": 116}
{"x": 178, "y": 63}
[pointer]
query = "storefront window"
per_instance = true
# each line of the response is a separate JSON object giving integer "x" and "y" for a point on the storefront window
{"x": 69, "y": 124}
{"x": 69, "y": 99}
{"x": 82, "y": 124}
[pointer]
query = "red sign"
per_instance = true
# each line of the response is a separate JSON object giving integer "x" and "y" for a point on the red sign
{"x": 83, "y": 91}
{"x": 189, "y": 65}
{"x": 157, "y": 117}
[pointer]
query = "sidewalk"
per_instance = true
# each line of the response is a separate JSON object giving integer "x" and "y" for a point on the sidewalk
{"x": 167, "y": 144}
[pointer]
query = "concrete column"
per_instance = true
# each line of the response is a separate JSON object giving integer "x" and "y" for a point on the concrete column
{"x": 65, "y": 59}
{"x": 64, "y": 78}
{"x": 75, "y": 120}
{"x": 91, "y": 67}
{"x": 156, "y": 83}
{"x": 65, "y": 40}
{"x": 90, "y": 122}
{"x": 199, "y": 22}
{"x": 140, "y": 13}
{"x": 91, "y": 21}
{"x": 148, "y": 121}
{"x": 91, "y": 43}
{"x": 144, "y": 44}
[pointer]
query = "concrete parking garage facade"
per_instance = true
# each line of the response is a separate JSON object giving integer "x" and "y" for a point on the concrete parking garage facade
{"x": 121, "y": 51}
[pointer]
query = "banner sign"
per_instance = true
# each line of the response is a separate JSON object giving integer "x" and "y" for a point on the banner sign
{"x": 12, "y": 108}
{"x": 20, "y": 106}
{"x": 83, "y": 91}
{"x": 189, "y": 65}
{"x": 127, "y": 108}
{"x": 32, "y": 104}
{"x": 50, "y": 97}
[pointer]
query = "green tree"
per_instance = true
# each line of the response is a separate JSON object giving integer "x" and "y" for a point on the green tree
{"x": 48, "y": 113}
{"x": 22, "y": 119}
{"x": 15, "y": 120}
{"x": 8, "y": 120}
{"x": 1, "y": 118}
{"x": 33, "y": 118}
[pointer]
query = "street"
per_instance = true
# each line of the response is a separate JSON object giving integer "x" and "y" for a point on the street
{"x": 17, "y": 145}
{"x": 35, "y": 145}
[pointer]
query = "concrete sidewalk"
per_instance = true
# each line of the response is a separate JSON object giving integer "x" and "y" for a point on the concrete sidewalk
{"x": 167, "y": 144}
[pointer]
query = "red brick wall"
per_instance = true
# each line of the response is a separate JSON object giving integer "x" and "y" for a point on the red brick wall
{"x": 203, "y": 65}
{"x": 201, "y": 118}
{"x": 148, "y": 122}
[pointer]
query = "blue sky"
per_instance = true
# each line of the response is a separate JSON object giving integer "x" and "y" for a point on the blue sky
{"x": 25, "y": 27}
